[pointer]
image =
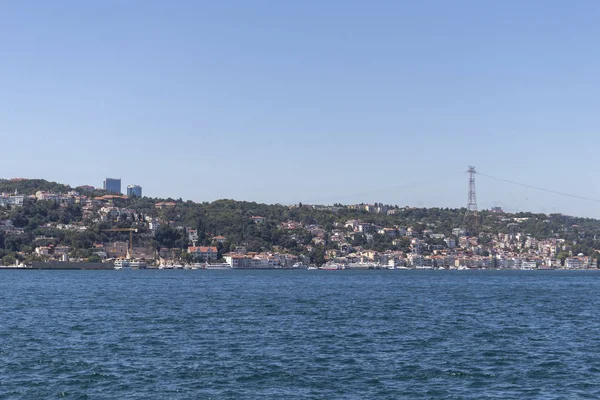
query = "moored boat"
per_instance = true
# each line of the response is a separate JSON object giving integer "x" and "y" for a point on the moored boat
{"x": 217, "y": 266}
{"x": 122, "y": 264}
{"x": 331, "y": 266}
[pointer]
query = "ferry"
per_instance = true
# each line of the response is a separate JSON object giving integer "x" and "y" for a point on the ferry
{"x": 217, "y": 266}
{"x": 361, "y": 265}
{"x": 130, "y": 264}
{"x": 138, "y": 264}
{"x": 331, "y": 267}
{"x": 122, "y": 264}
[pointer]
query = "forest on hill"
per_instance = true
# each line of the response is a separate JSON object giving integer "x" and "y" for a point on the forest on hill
{"x": 232, "y": 219}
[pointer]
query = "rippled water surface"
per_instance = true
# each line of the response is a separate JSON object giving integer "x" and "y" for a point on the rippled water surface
{"x": 299, "y": 334}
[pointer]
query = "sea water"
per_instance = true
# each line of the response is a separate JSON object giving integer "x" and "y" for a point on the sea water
{"x": 299, "y": 334}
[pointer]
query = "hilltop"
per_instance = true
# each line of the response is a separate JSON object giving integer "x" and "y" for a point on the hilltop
{"x": 30, "y": 186}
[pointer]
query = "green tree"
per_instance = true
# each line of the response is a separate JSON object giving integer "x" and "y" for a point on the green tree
{"x": 562, "y": 256}
{"x": 8, "y": 260}
{"x": 94, "y": 258}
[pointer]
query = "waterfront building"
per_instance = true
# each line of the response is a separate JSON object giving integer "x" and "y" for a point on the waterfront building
{"x": 207, "y": 253}
{"x": 134, "y": 190}
{"x": 573, "y": 263}
{"x": 112, "y": 185}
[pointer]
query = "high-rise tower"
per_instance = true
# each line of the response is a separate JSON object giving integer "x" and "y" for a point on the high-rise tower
{"x": 134, "y": 190}
{"x": 112, "y": 185}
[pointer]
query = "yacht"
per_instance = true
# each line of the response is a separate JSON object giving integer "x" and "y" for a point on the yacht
{"x": 361, "y": 265}
{"x": 138, "y": 264}
{"x": 217, "y": 266}
{"x": 122, "y": 264}
{"x": 331, "y": 266}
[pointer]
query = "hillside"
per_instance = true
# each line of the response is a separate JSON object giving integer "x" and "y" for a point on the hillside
{"x": 78, "y": 223}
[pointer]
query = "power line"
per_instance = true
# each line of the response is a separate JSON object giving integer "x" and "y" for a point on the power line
{"x": 382, "y": 190}
{"x": 541, "y": 189}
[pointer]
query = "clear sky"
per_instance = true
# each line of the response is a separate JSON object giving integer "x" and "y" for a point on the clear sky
{"x": 307, "y": 101}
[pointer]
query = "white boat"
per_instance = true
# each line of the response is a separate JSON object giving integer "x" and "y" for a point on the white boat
{"x": 122, "y": 264}
{"x": 312, "y": 268}
{"x": 138, "y": 264}
{"x": 331, "y": 266}
{"x": 217, "y": 266}
{"x": 361, "y": 265}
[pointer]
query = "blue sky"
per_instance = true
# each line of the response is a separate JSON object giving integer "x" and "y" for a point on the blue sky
{"x": 313, "y": 101}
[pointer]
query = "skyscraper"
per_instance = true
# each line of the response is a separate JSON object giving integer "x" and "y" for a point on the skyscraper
{"x": 134, "y": 190}
{"x": 112, "y": 185}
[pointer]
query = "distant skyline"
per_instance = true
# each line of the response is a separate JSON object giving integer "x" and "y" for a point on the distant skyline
{"x": 313, "y": 101}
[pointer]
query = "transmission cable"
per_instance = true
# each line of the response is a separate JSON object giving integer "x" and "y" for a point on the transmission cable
{"x": 541, "y": 189}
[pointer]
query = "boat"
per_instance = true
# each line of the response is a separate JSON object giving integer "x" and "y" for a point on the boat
{"x": 361, "y": 265}
{"x": 138, "y": 264}
{"x": 331, "y": 266}
{"x": 312, "y": 268}
{"x": 217, "y": 266}
{"x": 122, "y": 264}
